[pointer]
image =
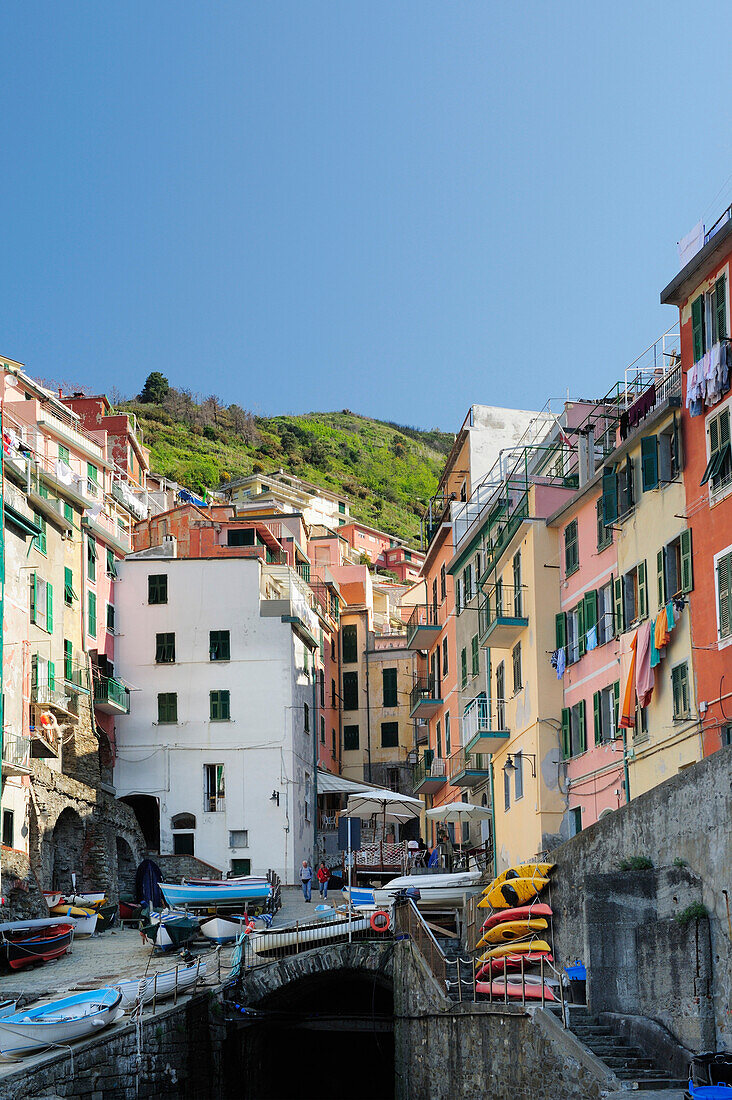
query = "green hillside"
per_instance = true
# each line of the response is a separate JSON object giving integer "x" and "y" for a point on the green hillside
{"x": 387, "y": 471}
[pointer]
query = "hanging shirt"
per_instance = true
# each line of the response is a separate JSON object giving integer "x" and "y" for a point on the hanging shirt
{"x": 644, "y": 674}
{"x": 661, "y": 630}
{"x": 627, "y": 710}
{"x": 670, "y": 621}
{"x": 561, "y": 663}
{"x": 592, "y": 638}
{"x": 655, "y": 655}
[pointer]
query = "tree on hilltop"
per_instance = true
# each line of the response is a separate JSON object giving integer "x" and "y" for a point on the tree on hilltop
{"x": 155, "y": 389}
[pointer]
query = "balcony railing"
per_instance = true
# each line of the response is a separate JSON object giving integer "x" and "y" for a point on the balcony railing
{"x": 44, "y": 695}
{"x": 111, "y": 696}
{"x": 424, "y": 697}
{"x": 501, "y": 616}
{"x": 481, "y": 727}
{"x": 429, "y": 774}
{"x": 285, "y": 593}
{"x": 422, "y": 626}
{"x": 16, "y": 754}
{"x": 468, "y": 769}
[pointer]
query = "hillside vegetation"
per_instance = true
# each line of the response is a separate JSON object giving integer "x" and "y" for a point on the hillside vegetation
{"x": 386, "y": 470}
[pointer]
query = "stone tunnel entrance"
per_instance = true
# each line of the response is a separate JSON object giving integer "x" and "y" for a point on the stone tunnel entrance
{"x": 325, "y": 1035}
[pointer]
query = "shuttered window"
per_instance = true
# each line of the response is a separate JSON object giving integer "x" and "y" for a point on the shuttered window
{"x": 571, "y": 548}
{"x": 219, "y": 706}
{"x": 649, "y": 463}
{"x": 68, "y": 660}
{"x": 719, "y": 308}
{"x": 604, "y": 534}
{"x": 674, "y": 569}
{"x": 680, "y": 688}
{"x": 609, "y": 495}
{"x": 697, "y": 327}
{"x": 475, "y": 655}
{"x": 69, "y": 594}
{"x": 718, "y": 471}
{"x": 349, "y": 644}
{"x": 167, "y": 706}
{"x": 574, "y": 730}
{"x": 389, "y": 684}
{"x": 463, "y": 668}
{"x": 39, "y": 541}
{"x": 516, "y": 659}
{"x": 91, "y": 559}
{"x": 724, "y": 594}
{"x": 517, "y": 588}
{"x": 92, "y": 615}
{"x": 164, "y": 649}
{"x": 350, "y": 691}
{"x": 219, "y": 645}
{"x": 157, "y": 588}
{"x": 390, "y": 735}
{"x": 350, "y": 738}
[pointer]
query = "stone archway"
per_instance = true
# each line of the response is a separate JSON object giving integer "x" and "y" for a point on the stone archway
{"x": 67, "y": 852}
{"x": 147, "y": 811}
{"x": 126, "y": 868}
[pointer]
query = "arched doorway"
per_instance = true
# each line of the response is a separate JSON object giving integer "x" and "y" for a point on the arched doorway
{"x": 147, "y": 812}
{"x": 337, "y": 1029}
{"x": 67, "y": 852}
{"x": 126, "y": 868}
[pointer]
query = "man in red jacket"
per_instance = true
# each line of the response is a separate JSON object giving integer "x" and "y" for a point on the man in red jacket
{"x": 323, "y": 877}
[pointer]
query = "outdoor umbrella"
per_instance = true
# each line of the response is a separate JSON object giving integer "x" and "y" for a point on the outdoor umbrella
{"x": 387, "y": 804}
{"x": 457, "y": 811}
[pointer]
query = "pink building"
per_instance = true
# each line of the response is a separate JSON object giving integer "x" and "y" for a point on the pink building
{"x": 366, "y": 540}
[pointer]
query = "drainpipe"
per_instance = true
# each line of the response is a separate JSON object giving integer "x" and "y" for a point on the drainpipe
{"x": 625, "y": 765}
{"x": 2, "y": 572}
{"x": 368, "y": 706}
{"x": 490, "y": 768}
{"x": 316, "y": 727}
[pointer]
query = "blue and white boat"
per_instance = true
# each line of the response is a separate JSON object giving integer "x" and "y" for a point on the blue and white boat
{"x": 359, "y": 895}
{"x": 34, "y": 1029}
{"x": 215, "y": 893}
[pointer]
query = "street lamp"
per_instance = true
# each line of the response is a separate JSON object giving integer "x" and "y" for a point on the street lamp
{"x": 510, "y": 765}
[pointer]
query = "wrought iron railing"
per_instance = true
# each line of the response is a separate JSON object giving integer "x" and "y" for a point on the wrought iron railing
{"x": 429, "y": 767}
{"x": 109, "y": 690}
{"x": 425, "y": 690}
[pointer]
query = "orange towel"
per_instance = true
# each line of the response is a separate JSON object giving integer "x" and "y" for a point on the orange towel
{"x": 661, "y": 634}
{"x": 627, "y": 710}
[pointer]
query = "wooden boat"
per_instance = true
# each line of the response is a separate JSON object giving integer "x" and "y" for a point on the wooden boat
{"x": 530, "y": 990}
{"x": 215, "y": 894}
{"x": 522, "y": 870}
{"x": 106, "y": 916}
{"x": 58, "y": 1022}
{"x": 130, "y": 910}
{"x": 162, "y": 984}
{"x": 523, "y": 912}
{"x": 237, "y": 880}
{"x": 25, "y": 946}
{"x": 226, "y": 929}
{"x": 85, "y": 900}
{"x": 53, "y": 897}
{"x": 168, "y": 929}
{"x": 262, "y": 943}
{"x": 435, "y": 891}
{"x": 522, "y": 947}
{"x": 512, "y": 930}
{"x": 85, "y": 920}
{"x": 509, "y": 894}
{"x": 511, "y": 962}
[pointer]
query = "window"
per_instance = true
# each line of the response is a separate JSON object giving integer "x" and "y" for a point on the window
{"x": 575, "y": 820}
{"x": 434, "y": 601}
{"x": 92, "y": 615}
{"x": 626, "y": 491}
{"x": 518, "y": 776}
{"x": 69, "y": 594}
{"x": 68, "y": 660}
{"x": 407, "y": 555}
{"x": 501, "y": 695}
{"x": 517, "y": 590}
{"x": 91, "y": 558}
{"x": 468, "y": 583}
{"x": 350, "y": 691}
{"x": 389, "y": 685}
{"x": 605, "y": 704}
{"x": 680, "y": 689}
{"x": 574, "y": 730}
{"x": 219, "y": 645}
{"x": 241, "y": 536}
{"x": 69, "y": 512}
{"x": 333, "y": 743}
{"x": 724, "y": 594}
{"x": 571, "y": 548}
{"x": 350, "y": 738}
{"x": 306, "y": 718}
{"x": 640, "y": 724}
{"x": 389, "y": 735}
{"x": 631, "y": 598}
{"x": 321, "y": 685}
{"x": 39, "y": 541}
{"x": 241, "y": 867}
{"x": 157, "y": 588}
{"x": 444, "y": 656}
{"x": 63, "y": 453}
{"x": 618, "y": 494}
{"x": 92, "y": 473}
{"x": 41, "y": 603}
{"x": 499, "y": 598}
{"x": 111, "y": 565}
{"x": 219, "y": 706}
{"x": 183, "y": 844}
{"x": 183, "y": 821}
{"x": 307, "y": 797}
{"x": 718, "y": 472}
{"x": 443, "y": 583}
{"x": 605, "y": 626}
{"x": 8, "y": 828}
{"x": 506, "y": 790}
{"x": 214, "y": 791}
{"x": 110, "y": 618}
{"x": 447, "y": 735}
{"x": 604, "y": 534}
{"x": 438, "y": 741}
{"x": 674, "y": 570}
{"x": 322, "y": 730}
{"x": 463, "y": 668}
{"x": 164, "y": 649}
{"x": 649, "y": 463}
{"x": 332, "y": 694}
{"x": 709, "y": 318}
{"x": 458, "y": 596}
{"x": 349, "y": 644}
{"x": 726, "y": 736}
{"x": 475, "y": 655}
{"x": 341, "y": 507}
{"x": 167, "y": 706}
{"x": 669, "y": 453}
{"x": 516, "y": 658}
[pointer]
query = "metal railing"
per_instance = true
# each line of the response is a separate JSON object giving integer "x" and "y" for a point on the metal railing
{"x": 263, "y": 947}
{"x": 109, "y": 690}
{"x": 428, "y": 768}
{"x": 16, "y": 750}
{"x": 379, "y": 856}
{"x": 423, "y": 691}
{"x": 43, "y": 695}
{"x": 461, "y": 761}
{"x": 408, "y": 921}
{"x": 423, "y": 615}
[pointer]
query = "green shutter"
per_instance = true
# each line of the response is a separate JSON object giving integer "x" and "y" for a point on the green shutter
{"x": 676, "y": 445}
{"x": 49, "y": 608}
{"x": 566, "y": 736}
{"x": 475, "y": 655}
{"x": 34, "y": 598}
{"x": 582, "y": 638}
{"x": 596, "y": 707}
{"x": 723, "y": 420}
{"x": 649, "y": 463}
{"x": 560, "y": 626}
{"x": 619, "y": 609}
{"x": 724, "y": 592}
{"x": 616, "y": 697}
{"x": 52, "y": 675}
{"x": 464, "y": 666}
{"x": 590, "y": 602}
{"x": 720, "y": 307}
{"x": 697, "y": 327}
{"x": 642, "y": 591}
{"x": 609, "y": 496}
{"x": 687, "y": 568}
{"x": 582, "y": 726}
{"x": 660, "y": 579}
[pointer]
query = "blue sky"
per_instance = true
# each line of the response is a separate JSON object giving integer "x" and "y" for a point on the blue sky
{"x": 396, "y": 207}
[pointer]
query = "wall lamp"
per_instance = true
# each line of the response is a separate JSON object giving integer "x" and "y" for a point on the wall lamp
{"x": 275, "y": 797}
{"x": 510, "y": 766}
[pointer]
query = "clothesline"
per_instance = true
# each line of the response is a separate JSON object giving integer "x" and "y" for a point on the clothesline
{"x": 708, "y": 380}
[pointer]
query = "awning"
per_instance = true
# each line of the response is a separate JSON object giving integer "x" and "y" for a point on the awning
{"x": 335, "y": 784}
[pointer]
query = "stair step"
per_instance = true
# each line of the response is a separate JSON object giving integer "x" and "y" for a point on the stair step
{"x": 661, "y": 1083}
{"x": 633, "y": 1064}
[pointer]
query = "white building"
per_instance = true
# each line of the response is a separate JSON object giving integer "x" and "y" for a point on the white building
{"x": 283, "y": 492}
{"x": 217, "y": 756}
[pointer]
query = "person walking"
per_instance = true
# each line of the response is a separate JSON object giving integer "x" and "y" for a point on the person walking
{"x": 306, "y": 879}
{"x": 323, "y": 879}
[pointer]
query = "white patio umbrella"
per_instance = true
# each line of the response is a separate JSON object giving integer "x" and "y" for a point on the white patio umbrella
{"x": 457, "y": 811}
{"x": 389, "y": 804}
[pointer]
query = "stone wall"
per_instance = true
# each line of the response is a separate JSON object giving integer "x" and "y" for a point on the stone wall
{"x": 20, "y": 888}
{"x": 683, "y": 977}
{"x": 175, "y": 868}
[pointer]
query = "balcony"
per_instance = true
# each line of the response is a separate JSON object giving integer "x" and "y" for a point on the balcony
{"x": 499, "y": 625}
{"x": 133, "y": 502}
{"x": 481, "y": 732}
{"x": 424, "y": 698}
{"x": 422, "y": 626}
{"x": 45, "y": 740}
{"x": 47, "y": 697}
{"x": 468, "y": 770}
{"x": 16, "y": 754}
{"x": 429, "y": 775}
{"x": 111, "y": 696}
{"x": 286, "y": 595}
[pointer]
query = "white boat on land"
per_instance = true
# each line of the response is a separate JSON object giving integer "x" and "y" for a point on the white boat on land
{"x": 34, "y": 1029}
{"x": 215, "y": 894}
{"x": 84, "y": 899}
{"x": 226, "y": 929}
{"x": 84, "y": 920}
{"x": 435, "y": 891}
{"x": 140, "y": 991}
{"x": 262, "y": 943}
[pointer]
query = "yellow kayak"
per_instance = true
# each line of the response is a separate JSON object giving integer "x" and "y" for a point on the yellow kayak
{"x": 525, "y": 947}
{"x": 513, "y": 892}
{"x": 522, "y": 870}
{"x": 71, "y": 911}
{"x": 512, "y": 930}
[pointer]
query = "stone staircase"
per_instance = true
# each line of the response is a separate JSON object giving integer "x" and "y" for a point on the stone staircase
{"x": 628, "y": 1063}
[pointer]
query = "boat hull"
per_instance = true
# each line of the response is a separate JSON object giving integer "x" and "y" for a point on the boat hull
{"x": 223, "y": 929}
{"x": 206, "y": 897}
{"x": 29, "y": 947}
{"x": 159, "y": 986}
{"x": 169, "y": 930}
{"x": 35, "y": 1029}
{"x": 85, "y": 920}
{"x": 264, "y": 943}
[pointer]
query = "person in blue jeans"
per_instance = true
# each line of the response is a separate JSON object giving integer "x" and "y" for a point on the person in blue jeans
{"x": 323, "y": 877}
{"x": 306, "y": 879}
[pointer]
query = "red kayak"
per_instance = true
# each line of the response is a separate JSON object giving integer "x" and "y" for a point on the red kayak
{"x": 530, "y": 990}
{"x": 523, "y": 912}
{"x": 27, "y": 946}
{"x": 512, "y": 962}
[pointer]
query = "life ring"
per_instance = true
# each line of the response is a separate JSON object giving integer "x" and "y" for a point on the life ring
{"x": 380, "y": 921}
{"x": 48, "y": 721}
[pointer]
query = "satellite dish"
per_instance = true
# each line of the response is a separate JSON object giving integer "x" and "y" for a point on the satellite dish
{"x": 11, "y": 380}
